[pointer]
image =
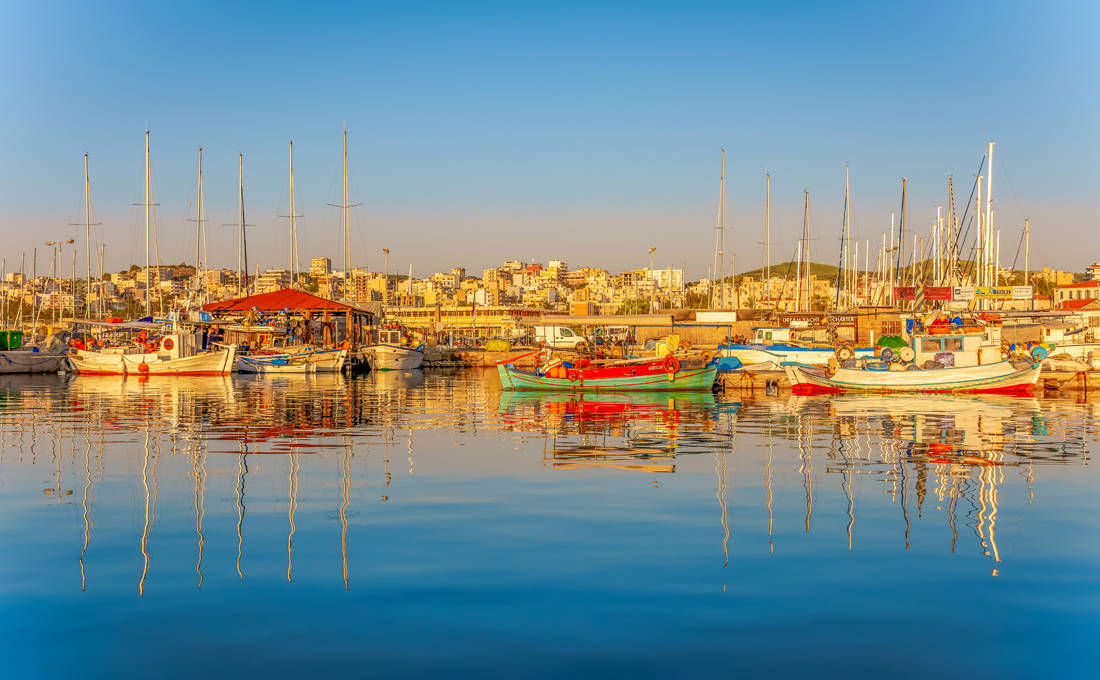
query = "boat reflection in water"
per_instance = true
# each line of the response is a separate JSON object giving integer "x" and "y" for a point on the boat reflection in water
{"x": 630, "y": 431}
{"x": 438, "y": 487}
{"x": 956, "y": 449}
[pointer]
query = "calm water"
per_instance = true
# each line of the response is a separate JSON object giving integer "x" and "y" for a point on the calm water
{"x": 431, "y": 525}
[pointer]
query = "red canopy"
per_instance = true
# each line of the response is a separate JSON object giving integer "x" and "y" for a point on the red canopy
{"x": 277, "y": 301}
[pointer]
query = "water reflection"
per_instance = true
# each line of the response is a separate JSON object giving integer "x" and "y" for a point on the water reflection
{"x": 867, "y": 461}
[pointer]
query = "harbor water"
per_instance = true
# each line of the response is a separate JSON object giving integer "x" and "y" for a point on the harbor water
{"x": 429, "y": 524}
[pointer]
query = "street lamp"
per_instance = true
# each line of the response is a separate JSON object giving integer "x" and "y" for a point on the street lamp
{"x": 652, "y": 286}
{"x": 386, "y": 277}
{"x": 56, "y": 245}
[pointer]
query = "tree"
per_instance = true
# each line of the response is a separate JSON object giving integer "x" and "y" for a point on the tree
{"x": 635, "y": 306}
{"x": 696, "y": 301}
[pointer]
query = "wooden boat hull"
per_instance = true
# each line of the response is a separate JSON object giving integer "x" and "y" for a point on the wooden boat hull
{"x": 394, "y": 358}
{"x": 214, "y": 362}
{"x": 1000, "y": 377}
{"x": 279, "y": 364}
{"x": 24, "y": 361}
{"x": 512, "y": 378}
{"x": 324, "y": 360}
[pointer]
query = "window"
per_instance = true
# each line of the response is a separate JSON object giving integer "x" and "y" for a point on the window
{"x": 566, "y": 333}
{"x": 952, "y": 344}
{"x": 930, "y": 345}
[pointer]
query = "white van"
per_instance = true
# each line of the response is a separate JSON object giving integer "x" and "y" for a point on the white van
{"x": 560, "y": 337}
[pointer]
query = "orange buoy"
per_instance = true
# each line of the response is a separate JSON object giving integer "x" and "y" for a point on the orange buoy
{"x": 168, "y": 344}
{"x": 672, "y": 364}
{"x": 143, "y": 368}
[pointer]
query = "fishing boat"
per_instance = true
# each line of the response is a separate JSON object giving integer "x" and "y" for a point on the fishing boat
{"x": 1007, "y": 377}
{"x": 312, "y": 359}
{"x": 15, "y": 357}
{"x": 171, "y": 354}
{"x": 391, "y": 352}
{"x": 273, "y": 363}
{"x": 650, "y": 374}
{"x": 776, "y": 345}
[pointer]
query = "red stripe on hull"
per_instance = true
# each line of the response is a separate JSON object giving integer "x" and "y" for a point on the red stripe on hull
{"x": 809, "y": 389}
{"x": 138, "y": 374}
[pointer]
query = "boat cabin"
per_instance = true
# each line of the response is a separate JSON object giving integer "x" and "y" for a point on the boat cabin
{"x": 966, "y": 349}
{"x": 391, "y": 336}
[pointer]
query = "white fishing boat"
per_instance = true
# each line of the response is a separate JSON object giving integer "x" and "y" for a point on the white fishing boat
{"x": 278, "y": 363}
{"x": 775, "y": 345}
{"x": 391, "y": 353}
{"x": 320, "y": 360}
{"x": 1009, "y": 377}
{"x": 171, "y": 354}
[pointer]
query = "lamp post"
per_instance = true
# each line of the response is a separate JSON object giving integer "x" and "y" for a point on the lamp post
{"x": 386, "y": 277}
{"x": 652, "y": 285}
{"x": 57, "y": 260}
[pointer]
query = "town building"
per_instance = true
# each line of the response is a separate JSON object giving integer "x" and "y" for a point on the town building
{"x": 1086, "y": 290}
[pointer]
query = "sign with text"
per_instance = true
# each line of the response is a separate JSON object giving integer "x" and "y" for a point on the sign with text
{"x": 940, "y": 293}
{"x": 1021, "y": 292}
{"x": 905, "y": 293}
{"x": 993, "y": 292}
{"x": 964, "y": 293}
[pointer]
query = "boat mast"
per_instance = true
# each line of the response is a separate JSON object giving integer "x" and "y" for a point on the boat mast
{"x": 847, "y": 231}
{"x": 804, "y": 255}
{"x": 901, "y": 226}
{"x": 148, "y": 207}
{"x": 720, "y": 238}
{"x": 293, "y": 225}
{"x": 347, "y": 230}
{"x": 949, "y": 274}
{"x": 199, "y": 227}
{"x": 766, "y": 269}
{"x": 989, "y": 210}
{"x": 242, "y": 243}
{"x": 87, "y": 234}
{"x": 1027, "y": 255}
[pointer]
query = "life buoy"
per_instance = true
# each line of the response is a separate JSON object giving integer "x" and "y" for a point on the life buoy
{"x": 672, "y": 364}
{"x": 168, "y": 344}
{"x": 143, "y": 368}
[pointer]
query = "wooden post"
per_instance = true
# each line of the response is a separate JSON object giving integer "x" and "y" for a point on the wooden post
{"x": 326, "y": 334}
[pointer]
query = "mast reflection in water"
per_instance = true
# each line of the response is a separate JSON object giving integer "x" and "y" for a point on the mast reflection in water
{"x": 536, "y": 533}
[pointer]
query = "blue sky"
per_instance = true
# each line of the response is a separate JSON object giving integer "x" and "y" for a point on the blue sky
{"x": 588, "y": 132}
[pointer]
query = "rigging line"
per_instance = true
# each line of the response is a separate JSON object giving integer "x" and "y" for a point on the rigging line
{"x": 968, "y": 222}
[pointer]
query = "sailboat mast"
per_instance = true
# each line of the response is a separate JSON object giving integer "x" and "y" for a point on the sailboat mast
{"x": 722, "y": 229}
{"x": 347, "y": 230}
{"x": 198, "y": 219}
{"x": 901, "y": 226}
{"x": 766, "y": 269}
{"x": 847, "y": 232}
{"x": 87, "y": 234}
{"x": 242, "y": 245}
{"x": 293, "y": 224}
{"x": 989, "y": 209}
{"x": 148, "y": 207}
{"x": 804, "y": 254}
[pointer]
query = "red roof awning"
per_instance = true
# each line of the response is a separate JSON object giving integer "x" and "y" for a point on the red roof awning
{"x": 277, "y": 301}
